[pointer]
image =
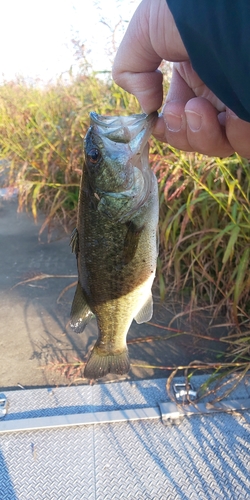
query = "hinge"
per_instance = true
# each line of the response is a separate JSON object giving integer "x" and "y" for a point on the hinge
{"x": 3, "y": 405}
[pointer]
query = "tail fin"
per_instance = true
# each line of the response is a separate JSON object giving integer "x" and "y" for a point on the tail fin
{"x": 99, "y": 365}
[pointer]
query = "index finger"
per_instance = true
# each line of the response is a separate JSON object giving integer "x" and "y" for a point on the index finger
{"x": 151, "y": 37}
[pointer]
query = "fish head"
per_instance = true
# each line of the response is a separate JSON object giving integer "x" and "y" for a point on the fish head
{"x": 116, "y": 161}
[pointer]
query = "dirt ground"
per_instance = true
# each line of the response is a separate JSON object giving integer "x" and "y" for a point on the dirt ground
{"x": 37, "y": 347}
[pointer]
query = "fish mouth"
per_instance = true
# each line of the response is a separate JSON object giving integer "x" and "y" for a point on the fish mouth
{"x": 123, "y": 129}
{"x": 125, "y": 177}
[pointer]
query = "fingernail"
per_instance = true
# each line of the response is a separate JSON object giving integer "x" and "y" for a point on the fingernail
{"x": 194, "y": 120}
{"x": 173, "y": 122}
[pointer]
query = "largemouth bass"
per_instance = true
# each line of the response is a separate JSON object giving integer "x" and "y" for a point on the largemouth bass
{"x": 115, "y": 240}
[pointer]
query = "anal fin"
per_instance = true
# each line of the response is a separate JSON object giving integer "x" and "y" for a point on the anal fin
{"x": 146, "y": 312}
{"x": 80, "y": 314}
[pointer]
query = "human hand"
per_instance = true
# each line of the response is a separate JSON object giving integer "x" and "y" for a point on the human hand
{"x": 193, "y": 118}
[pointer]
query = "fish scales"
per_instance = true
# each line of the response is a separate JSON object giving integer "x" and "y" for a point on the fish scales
{"x": 116, "y": 247}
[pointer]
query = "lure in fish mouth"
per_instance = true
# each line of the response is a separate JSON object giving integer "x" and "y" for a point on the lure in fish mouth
{"x": 115, "y": 240}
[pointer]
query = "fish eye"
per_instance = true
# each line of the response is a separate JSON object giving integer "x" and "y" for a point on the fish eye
{"x": 93, "y": 155}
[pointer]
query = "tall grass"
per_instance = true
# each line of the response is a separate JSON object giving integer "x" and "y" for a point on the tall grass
{"x": 204, "y": 202}
{"x": 205, "y": 227}
{"x": 41, "y": 135}
{"x": 205, "y": 236}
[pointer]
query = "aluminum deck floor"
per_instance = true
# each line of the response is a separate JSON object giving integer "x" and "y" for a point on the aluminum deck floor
{"x": 204, "y": 457}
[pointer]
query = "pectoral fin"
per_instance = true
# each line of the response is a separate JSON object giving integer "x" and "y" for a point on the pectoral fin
{"x": 80, "y": 314}
{"x": 74, "y": 241}
{"x": 146, "y": 312}
{"x": 131, "y": 241}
